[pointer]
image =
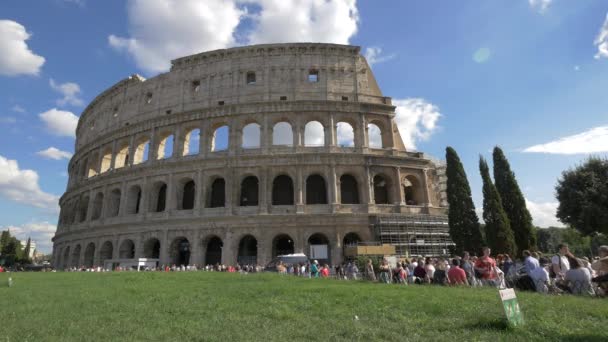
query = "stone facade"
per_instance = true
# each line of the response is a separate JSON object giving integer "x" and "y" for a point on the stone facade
{"x": 132, "y": 194}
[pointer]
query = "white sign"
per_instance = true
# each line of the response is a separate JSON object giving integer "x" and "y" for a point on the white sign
{"x": 318, "y": 252}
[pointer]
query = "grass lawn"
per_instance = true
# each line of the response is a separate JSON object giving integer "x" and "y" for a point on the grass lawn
{"x": 202, "y": 306}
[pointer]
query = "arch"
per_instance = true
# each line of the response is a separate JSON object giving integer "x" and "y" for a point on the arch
{"x": 122, "y": 157}
{"x": 351, "y": 239}
{"x": 282, "y": 190}
{"x": 412, "y": 191}
{"x": 380, "y": 190}
{"x": 65, "y": 262}
{"x": 282, "y": 134}
{"x": 316, "y": 190}
{"x": 165, "y": 146}
{"x": 106, "y": 252}
{"x": 114, "y": 203}
{"x": 127, "y": 249}
{"x": 180, "y": 251}
{"x": 213, "y": 252}
{"x": 249, "y": 192}
{"x": 349, "y": 190}
{"x": 374, "y": 135}
{"x": 134, "y": 200}
{"x": 83, "y": 208}
{"x": 282, "y": 244}
{"x": 251, "y": 136}
{"x": 159, "y": 197}
{"x": 97, "y": 206}
{"x": 89, "y": 255}
{"x": 152, "y": 248}
{"x": 92, "y": 165}
{"x": 142, "y": 151}
{"x": 314, "y": 134}
{"x": 220, "y": 139}
{"x": 76, "y": 256}
{"x": 345, "y": 134}
{"x": 248, "y": 251}
{"x": 192, "y": 142}
{"x": 217, "y": 197}
{"x": 188, "y": 191}
{"x": 106, "y": 161}
{"x": 319, "y": 248}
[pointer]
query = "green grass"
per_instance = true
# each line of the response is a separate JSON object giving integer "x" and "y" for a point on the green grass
{"x": 204, "y": 306}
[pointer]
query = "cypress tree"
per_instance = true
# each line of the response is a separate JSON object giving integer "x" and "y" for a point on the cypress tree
{"x": 26, "y": 250}
{"x": 4, "y": 238}
{"x": 498, "y": 231}
{"x": 463, "y": 221}
{"x": 513, "y": 202}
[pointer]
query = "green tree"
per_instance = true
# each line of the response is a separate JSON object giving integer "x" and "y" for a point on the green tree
{"x": 26, "y": 251}
{"x": 463, "y": 221}
{"x": 4, "y": 237}
{"x": 582, "y": 193}
{"x": 513, "y": 202}
{"x": 498, "y": 231}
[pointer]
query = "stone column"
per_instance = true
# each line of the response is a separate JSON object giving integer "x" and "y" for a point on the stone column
{"x": 400, "y": 196}
{"x": 266, "y": 136}
{"x": 425, "y": 184}
{"x": 264, "y": 197}
{"x": 178, "y": 142}
{"x": 113, "y": 157}
{"x": 391, "y": 136}
{"x": 170, "y": 200}
{"x": 165, "y": 245}
{"x": 333, "y": 183}
{"x": 368, "y": 190}
{"x": 131, "y": 151}
{"x": 203, "y": 140}
{"x": 228, "y": 249}
{"x": 330, "y": 139}
{"x": 299, "y": 191}
{"x": 153, "y": 151}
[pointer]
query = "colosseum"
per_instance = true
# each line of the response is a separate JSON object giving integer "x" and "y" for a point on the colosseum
{"x": 243, "y": 154}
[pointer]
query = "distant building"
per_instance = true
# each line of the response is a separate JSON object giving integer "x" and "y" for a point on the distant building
{"x": 32, "y": 247}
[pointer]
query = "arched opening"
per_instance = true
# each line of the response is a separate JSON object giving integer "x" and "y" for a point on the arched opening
{"x": 97, "y": 206}
{"x": 319, "y": 248}
{"x": 76, "y": 256}
{"x": 345, "y": 134}
{"x": 349, "y": 190}
{"x": 282, "y": 134}
{"x": 159, "y": 197}
{"x": 316, "y": 192}
{"x": 251, "y": 136}
{"x": 192, "y": 142}
{"x": 126, "y": 250}
{"x": 282, "y": 190}
{"x": 180, "y": 251}
{"x": 314, "y": 134}
{"x": 92, "y": 165}
{"x": 374, "y": 135}
{"x": 89, "y": 255}
{"x": 105, "y": 252}
{"x": 142, "y": 151}
{"x": 380, "y": 190}
{"x": 106, "y": 161}
{"x": 219, "y": 140}
{"x": 134, "y": 200}
{"x": 218, "y": 194}
{"x": 165, "y": 147}
{"x": 122, "y": 157}
{"x": 248, "y": 251}
{"x": 152, "y": 248}
{"x": 65, "y": 263}
{"x": 249, "y": 192}
{"x": 187, "y": 197}
{"x": 412, "y": 191}
{"x": 83, "y": 208}
{"x": 213, "y": 254}
{"x": 114, "y": 203}
{"x": 282, "y": 244}
{"x": 350, "y": 240}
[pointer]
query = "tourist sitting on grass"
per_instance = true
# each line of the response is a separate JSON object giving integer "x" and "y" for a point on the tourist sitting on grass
{"x": 440, "y": 274}
{"x": 540, "y": 276}
{"x": 429, "y": 268}
{"x": 530, "y": 262}
{"x": 578, "y": 278}
{"x": 420, "y": 276}
{"x": 456, "y": 275}
{"x": 600, "y": 266}
{"x": 486, "y": 267}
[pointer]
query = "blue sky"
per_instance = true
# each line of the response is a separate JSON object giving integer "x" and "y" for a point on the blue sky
{"x": 527, "y": 75}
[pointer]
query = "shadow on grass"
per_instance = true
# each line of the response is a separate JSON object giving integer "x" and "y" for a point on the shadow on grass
{"x": 583, "y": 338}
{"x": 489, "y": 324}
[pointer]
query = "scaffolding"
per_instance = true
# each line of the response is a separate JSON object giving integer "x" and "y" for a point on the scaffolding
{"x": 414, "y": 235}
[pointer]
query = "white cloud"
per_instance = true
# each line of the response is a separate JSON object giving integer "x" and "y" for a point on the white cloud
{"x": 16, "y": 57}
{"x": 18, "y": 109}
{"x": 543, "y": 213}
{"x": 70, "y": 92}
{"x": 345, "y": 134}
{"x": 540, "y": 5}
{"x": 314, "y": 134}
{"x": 325, "y": 21}
{"x": 251, "y": 136}
{"x": 594, "y": 140}
{"x": 416, "y": 119}
{"x": 161, "y": 30}
{"x": 373, "y": 55}
{"x": 21, "y": 186}
{"x": 39, "y": 232}
{"x": 60, "y": 122}
{"x": 601, "y": 41}
{"x": 282, "y": 134}
{"x": 54, "y": 153}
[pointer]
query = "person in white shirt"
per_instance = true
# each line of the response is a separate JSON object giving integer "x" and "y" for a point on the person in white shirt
{"x": 530, "y": 262}
{"x": 540, "y": 276}
{"x": 559, "y": 263}
{"x": 579, "y": 279}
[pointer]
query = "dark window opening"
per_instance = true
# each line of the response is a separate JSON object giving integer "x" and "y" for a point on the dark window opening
{"x": 313, "y": 76}
{"x": 220, "y": 103}
{"x": 349, "y": 192}
{"x": 251, "y": 77}
{"x": 316, "y": 192}
{"x": 282, "y": 190}
{"x": 282, "y": 245}
{"x": 344, "y": 98}
{"x": 248, "y": 251}
{"x": 162, "y": 197}
{"x": 283, "y": 98}
{"x": 218, "y": 197}
{"x": 249, "y": 192}
{"x": 213, "y": 255}
{"x": 188, "y": 196}
{"x": 380, "y": 190}
{"x": 196, "y": 86}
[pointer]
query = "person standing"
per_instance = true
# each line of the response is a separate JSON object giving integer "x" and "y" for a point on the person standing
{"x": 369, "y": 271}
{"x": 385, "y": 272}
{"x": 314, "y": 269}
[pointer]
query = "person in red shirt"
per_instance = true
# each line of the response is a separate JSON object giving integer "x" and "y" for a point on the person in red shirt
{"x": 456, "y": 275}
{"x": 1, "y": 269}
{"x": 325, "y": 271}
{"x": 486, "y": 266}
